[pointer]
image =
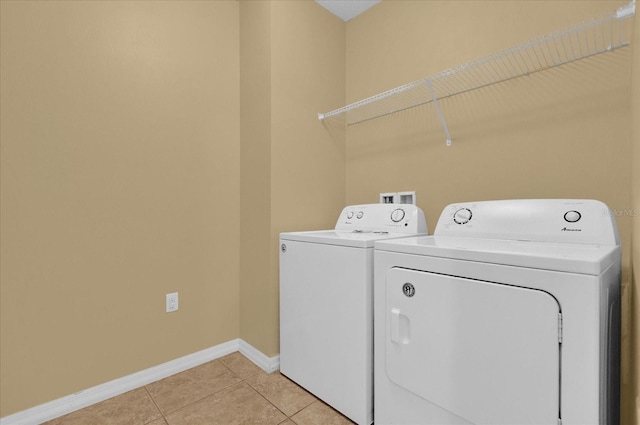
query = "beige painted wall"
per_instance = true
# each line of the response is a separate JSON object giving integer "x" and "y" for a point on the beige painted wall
{"x": 306, "y": 170}
{"x": 563, "y": 133}
{"x": 634, "y": 392}
{"x": 256, "y": 318}
{"x": 120, "y": 183}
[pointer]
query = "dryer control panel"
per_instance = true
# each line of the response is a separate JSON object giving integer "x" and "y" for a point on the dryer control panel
{"x": 542, "y": 220}
{"x": 395, "y": 218}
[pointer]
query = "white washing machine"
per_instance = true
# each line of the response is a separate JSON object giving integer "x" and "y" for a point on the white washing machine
{"x": 508, "y": 314}
{"x": 326, "y": 304}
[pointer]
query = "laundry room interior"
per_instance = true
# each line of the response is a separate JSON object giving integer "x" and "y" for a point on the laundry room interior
{"x": 157, "y": 147}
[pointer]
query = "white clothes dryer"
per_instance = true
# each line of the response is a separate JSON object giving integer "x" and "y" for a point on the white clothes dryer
{"x": 508, "y": 314}
{"x": 326, "y": 303}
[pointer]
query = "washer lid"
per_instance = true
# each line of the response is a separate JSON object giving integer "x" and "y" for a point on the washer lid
{"x": 563, "y": 257}
{"x": 356, "y": 239}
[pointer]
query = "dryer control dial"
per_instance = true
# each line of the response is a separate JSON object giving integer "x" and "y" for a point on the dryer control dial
{"x": 397, "y": 215}
{"x": 462, "y": 216}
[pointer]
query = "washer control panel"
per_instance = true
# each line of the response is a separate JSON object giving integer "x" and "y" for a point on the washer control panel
{"x": 544, "y": 220}
{"x": 397, "y": 218}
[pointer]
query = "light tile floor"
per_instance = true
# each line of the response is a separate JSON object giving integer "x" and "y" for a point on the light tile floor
{"x": 231, "y": 390}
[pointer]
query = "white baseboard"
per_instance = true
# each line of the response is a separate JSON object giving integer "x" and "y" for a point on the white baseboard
{"x": 268, "y": 364}
{"x": 62, "y": 406}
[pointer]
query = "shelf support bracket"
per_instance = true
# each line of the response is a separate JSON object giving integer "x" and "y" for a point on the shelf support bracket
{"x": 438, "y": 110}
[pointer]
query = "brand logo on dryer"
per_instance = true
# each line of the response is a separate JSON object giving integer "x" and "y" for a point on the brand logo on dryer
{"x": 568, "y": 229}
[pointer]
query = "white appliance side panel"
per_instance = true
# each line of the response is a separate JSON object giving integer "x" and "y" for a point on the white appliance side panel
{"x": 326, "y": 324}
{"x": 484, "y": 352}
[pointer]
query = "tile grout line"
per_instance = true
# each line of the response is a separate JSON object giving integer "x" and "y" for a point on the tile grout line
{"x": 155, "y": 404}
{"x": 315, "y": 399}
{"x": 288, "y": 417}
{"x": 164, "y": 415}
{"x": 266, "y": 399}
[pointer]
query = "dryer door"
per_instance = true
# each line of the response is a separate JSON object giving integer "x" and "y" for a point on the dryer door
{"x": 485, "y": 352}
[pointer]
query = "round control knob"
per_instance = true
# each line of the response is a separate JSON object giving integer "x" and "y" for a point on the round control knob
{"x": 397, "y": 215}
{"x": 350, "y": 215}
{"x": 462, "y": 216}
{"x": 359, "y": 215}
{"x": 572, "y": 216}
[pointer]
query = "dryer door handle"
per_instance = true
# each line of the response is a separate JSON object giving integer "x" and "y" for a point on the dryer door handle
{"x": 400, "y": 329}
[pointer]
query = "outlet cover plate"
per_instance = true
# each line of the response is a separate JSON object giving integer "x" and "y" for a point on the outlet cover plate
{"x": 172, "y": 302}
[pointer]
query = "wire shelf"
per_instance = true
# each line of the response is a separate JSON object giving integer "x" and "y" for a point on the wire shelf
{"x": 581, "y": 41}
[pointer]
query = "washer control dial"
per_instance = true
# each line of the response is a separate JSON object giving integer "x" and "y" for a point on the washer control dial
{"x": 572, "y": 216}
{"x": 359, "y": 215}
{"x": 462, "y": 216}
{"x": 350, "y": 215}
{"x": 397, "y": 215}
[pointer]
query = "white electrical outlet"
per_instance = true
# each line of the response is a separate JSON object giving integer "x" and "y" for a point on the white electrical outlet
{"x": 172, "y": 302}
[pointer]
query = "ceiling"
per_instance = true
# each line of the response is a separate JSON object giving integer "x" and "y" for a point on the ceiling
{"x": 347, "y": 9}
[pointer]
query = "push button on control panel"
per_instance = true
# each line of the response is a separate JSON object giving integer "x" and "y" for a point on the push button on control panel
{"x": 572, "y": 216}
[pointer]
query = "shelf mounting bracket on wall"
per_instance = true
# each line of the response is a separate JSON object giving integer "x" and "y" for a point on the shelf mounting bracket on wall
{"x": 438, "y": 111}
{"x": 590, "y": 38}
